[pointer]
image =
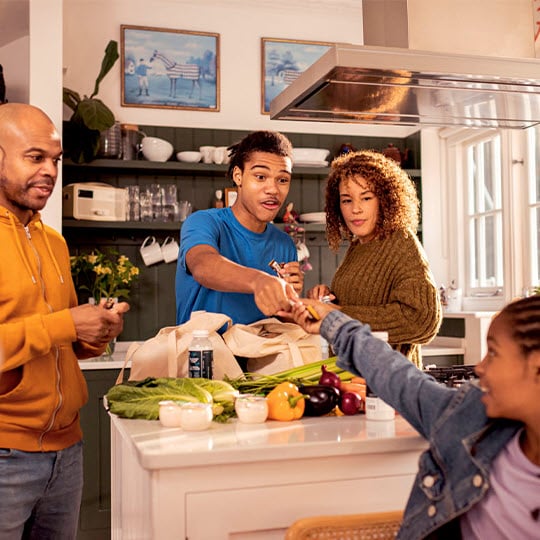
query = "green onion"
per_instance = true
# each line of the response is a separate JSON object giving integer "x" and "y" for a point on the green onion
{"x": 255, "y": 383}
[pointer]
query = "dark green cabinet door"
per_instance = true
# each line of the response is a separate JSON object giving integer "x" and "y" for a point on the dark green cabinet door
{"x": 95, "y": 516}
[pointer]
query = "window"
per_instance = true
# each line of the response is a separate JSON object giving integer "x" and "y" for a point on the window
{"x": 484, "y": 216}
{"x": 492, "y": 188}
{"x": 533, "y": 204}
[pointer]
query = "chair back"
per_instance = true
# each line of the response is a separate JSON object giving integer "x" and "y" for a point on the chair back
{"x": 372, "y": 526}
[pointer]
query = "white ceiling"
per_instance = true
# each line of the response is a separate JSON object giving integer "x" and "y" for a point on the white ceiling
{"x": 14, "y": 20}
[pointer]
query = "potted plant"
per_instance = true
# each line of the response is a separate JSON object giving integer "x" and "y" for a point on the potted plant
{"x": 103, "y": 275}
{"x": 90, "y": 115}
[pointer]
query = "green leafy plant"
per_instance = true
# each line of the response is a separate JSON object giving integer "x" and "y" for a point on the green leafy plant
{"x": 103, "y": 275}
{"x": 90, "y": 115}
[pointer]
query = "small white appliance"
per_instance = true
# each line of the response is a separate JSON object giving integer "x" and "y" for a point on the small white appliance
{"x": 94, "y": 201}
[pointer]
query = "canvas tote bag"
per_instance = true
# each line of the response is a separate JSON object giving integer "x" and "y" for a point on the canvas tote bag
{"x": 272, "y": 346}
{"x": 166, "y": 354}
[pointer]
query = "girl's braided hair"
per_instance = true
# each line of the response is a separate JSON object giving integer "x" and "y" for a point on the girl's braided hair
{"x": 523, "y": 316}
{"x": 398, "y": 201}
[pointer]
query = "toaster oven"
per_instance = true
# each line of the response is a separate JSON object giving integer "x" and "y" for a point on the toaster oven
{"x": 94, "y": 201}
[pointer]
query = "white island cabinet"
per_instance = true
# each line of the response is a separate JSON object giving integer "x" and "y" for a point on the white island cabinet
{"x": 242, "y": 481}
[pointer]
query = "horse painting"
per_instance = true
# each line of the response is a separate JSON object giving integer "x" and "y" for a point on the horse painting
{"x": 175, "y": 71}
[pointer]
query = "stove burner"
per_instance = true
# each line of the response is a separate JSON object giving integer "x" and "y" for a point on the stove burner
{"x": 452, "y": 376}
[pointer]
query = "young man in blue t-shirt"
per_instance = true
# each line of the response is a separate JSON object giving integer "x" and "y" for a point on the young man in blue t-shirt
{"x": 224, "y": 253}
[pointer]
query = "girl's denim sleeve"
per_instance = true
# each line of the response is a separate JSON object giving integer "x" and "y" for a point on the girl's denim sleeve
{"x": 417, "y": 396}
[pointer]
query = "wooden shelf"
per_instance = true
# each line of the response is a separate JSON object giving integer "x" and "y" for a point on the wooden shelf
{"x": 169, "y": 167}
{"x": 69, "y": 223}
{"x": 120, "y": 225}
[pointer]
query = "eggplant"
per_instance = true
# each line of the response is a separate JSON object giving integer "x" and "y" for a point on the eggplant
{"x": 320, "y": 399}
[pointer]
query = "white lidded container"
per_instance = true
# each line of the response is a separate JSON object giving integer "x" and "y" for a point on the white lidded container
{"x": 251, "y": 409}
{"x": 376, "y": 408}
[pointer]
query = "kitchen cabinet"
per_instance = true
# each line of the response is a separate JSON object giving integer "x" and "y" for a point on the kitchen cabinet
{"x": 152, "y": 298}
{"x": 168, "y": 484}
{"x": 95, "y": 515}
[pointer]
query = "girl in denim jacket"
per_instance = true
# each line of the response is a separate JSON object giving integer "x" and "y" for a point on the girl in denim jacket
{"x": 480, "y": 477}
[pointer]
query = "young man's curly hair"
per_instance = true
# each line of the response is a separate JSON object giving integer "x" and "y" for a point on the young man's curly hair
{"x": 398, "y": 201}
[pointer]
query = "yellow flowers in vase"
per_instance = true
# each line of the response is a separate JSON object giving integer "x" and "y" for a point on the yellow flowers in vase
{"x": 103, "y": 275}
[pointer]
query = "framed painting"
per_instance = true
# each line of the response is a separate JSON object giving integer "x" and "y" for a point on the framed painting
{"x": 282, "y": 61}
{"x": 169, "y": 69}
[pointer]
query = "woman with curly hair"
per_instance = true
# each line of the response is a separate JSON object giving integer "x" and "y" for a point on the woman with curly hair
{"x": 384, "y": 279}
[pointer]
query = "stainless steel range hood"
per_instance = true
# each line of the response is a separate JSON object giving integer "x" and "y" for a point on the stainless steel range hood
{"x": 396, "y": 86}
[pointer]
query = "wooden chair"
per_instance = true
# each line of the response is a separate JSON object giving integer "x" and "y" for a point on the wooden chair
{"x": 377, "y": 525}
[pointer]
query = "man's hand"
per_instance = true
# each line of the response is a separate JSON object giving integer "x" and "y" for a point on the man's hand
{"x": 273, "y": 294}
{"x": 292, "y": 274}
{"x": 98, "y": 325}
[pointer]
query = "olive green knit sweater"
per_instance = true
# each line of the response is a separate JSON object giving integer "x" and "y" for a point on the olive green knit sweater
{"x": 388, "y": 285}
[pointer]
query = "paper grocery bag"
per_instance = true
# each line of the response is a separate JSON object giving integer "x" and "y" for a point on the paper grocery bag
{"x": 272, "y": 346}
{"x": 166, "y": 354}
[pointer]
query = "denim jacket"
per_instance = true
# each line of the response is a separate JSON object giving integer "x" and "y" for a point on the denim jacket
{"x": 454, "y": 472}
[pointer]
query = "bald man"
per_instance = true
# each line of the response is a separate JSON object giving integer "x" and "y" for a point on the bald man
{"x": 42, "y": 334}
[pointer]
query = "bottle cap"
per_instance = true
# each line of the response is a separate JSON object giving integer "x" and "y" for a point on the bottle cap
{"x": 200, "y": 333}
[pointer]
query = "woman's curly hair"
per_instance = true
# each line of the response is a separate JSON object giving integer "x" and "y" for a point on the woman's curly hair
{"x": 398, "y": 201}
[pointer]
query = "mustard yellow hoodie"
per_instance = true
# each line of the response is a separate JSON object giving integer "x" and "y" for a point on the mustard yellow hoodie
{"x": 41, "y": 385}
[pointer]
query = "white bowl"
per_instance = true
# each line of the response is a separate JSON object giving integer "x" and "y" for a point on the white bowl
{"x": 155, "y": 149}
{"x": 310, "y": 155}
{"x": 189, "y": 157}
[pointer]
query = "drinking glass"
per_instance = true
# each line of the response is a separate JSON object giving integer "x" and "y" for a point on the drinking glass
{"x": 146, "y": 205}
{"x": 134, "y": 204}
{"x": 156, "y": 194}
{"x": 170, "y": 202}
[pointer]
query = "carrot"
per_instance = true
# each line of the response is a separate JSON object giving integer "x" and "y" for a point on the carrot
{"x": 358, "y": 380}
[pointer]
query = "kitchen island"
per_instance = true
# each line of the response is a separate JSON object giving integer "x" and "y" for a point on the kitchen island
{"x": 251, "y": 481}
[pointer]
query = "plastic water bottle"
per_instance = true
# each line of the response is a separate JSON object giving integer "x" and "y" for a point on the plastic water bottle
{"x": 201, "y": 355}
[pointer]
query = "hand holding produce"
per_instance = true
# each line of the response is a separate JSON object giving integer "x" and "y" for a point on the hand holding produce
{"x": 285, "y": 402}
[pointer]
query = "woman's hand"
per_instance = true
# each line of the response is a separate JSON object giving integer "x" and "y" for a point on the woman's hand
{"x": 319, "y": 292}
{"x": 301, "y": 314}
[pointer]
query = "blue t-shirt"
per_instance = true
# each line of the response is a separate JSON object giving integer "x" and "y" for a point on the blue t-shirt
{"x": 220, "y": 229}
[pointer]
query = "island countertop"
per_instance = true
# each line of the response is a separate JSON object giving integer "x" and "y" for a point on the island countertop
{"x": 255, "y": 479}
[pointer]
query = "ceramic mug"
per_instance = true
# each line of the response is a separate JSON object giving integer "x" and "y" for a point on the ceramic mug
{"x": 221, "y": 155}
{"x": 170, "y": 248}
{"x": 151, "y": 251}
{"x": 207, "y": 153}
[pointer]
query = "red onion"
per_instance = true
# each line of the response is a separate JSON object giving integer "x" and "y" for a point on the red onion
{"x": 329, "y": 379}
{"x": 350, "y": 403}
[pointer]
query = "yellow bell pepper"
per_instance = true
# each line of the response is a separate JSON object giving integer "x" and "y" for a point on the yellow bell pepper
{"x": 285, "y": 402}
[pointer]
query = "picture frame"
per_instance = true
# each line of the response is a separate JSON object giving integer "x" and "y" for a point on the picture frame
{"x": 230, "y": 195}
{"x": 282, "y": 61}
{"x": 170, "y": 69}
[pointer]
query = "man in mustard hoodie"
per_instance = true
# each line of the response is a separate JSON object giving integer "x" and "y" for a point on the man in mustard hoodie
{"x": 42, "y": 334}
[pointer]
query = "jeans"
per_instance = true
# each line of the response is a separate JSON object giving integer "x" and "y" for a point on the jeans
{"x": 40, "y": 493}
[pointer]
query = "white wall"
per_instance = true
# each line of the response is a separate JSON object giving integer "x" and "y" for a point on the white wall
{"x": 90, "y": 24}
{"x": 46, "y": 81}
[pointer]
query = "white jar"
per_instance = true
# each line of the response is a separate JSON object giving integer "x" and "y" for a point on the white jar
{"x": 195, "y": 416}
{"x": 377, "y": 409}
{"x": 251, "y": 409}
{"x": 169, "y": 414}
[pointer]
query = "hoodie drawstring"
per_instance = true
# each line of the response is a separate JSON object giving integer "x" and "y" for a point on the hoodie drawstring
{"x": 20, "y": 248}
